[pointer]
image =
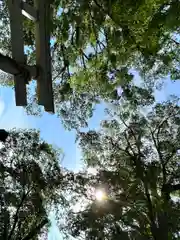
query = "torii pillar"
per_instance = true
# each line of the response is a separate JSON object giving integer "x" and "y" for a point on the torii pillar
{"x": 40, "y": 13}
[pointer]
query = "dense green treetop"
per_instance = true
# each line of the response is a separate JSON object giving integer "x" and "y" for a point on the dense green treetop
{"x": 96, "y": 44}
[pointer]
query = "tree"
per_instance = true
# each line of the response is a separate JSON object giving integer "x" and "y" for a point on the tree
{"x": 30, "y": 183}
{"x": 136, "y": 161}
{"x": 97, "y": 43}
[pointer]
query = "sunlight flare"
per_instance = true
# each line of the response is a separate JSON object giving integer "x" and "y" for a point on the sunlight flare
{"x": 100, "y": 195}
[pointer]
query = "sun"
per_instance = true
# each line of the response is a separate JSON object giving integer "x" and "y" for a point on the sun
{"x": 100, "y": 195}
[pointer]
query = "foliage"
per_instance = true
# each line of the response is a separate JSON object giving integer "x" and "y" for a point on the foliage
{"x": 96, "y": 44}
{"x": 30, "y": 182}
{"x": 136, "y": 161}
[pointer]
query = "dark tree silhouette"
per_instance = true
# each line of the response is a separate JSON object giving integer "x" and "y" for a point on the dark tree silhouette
{"x": 3, "y": 135}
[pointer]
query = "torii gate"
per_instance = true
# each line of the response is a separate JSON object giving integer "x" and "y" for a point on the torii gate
{"x": 40, "y": 14}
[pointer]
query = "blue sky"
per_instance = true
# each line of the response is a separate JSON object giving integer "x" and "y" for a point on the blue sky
{"x": 52, "y": 130}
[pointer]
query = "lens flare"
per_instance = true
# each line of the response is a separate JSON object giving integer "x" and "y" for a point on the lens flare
{"x": 100, "y": 195}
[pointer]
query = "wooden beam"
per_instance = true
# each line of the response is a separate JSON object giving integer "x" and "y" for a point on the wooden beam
{"x": 17, "y": 49}
{"x": 43, "y": 56}
{"x": 29, "y": 11}
{"x": 8, "y": 65}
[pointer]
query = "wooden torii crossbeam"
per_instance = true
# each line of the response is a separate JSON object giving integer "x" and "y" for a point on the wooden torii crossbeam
{"x": 40, "y": 14}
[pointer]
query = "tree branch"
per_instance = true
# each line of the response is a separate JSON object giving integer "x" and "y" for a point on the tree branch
{"x": 156, "y": 142}
{"x": 36, "y": 230}
{"x": 116, "y": 145}
{"x": 168, "y": 188}
{"x": 175, "y": 187}
{"x": 177, "y": 43}
{"x": 151, "y": 212}
{"x": 16, "y": 215}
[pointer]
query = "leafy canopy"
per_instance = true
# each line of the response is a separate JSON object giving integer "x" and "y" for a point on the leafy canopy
{"x": 30, "y": 182}
{"x": 96, "y": 44}
{"x": 135, "y": 157}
